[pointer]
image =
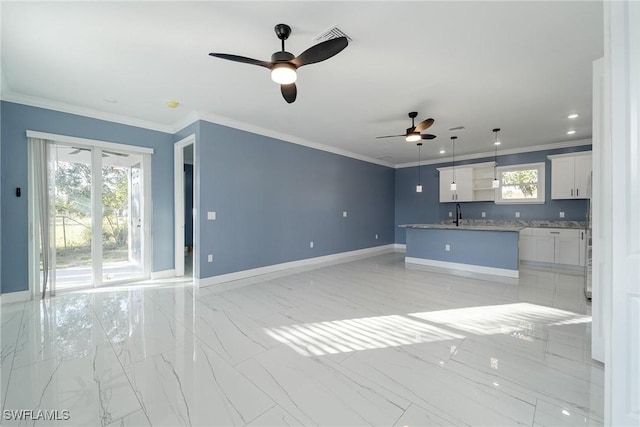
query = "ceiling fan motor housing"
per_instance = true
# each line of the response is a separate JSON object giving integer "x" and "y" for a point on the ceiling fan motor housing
{"x": 282, "y": 57}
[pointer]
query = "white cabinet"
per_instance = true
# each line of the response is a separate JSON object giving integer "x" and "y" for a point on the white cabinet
{"x": 570, "y": 175}
{"x": 552, "y": 245}
{"x": 483, "y": 190}
{"x": 473, "y": 183}
{"x": 464, "y": 185}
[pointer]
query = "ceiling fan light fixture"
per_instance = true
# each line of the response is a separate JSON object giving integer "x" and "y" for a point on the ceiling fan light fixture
{"x": 284, "y": 73}
{"x": 413, "y": 137}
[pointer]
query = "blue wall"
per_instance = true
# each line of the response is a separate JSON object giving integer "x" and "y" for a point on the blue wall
{"x": 466, "y": 246}
{"x": 425, "y": 207}
{"x": 273, "y": 197}
{"x": 16, "y": 120}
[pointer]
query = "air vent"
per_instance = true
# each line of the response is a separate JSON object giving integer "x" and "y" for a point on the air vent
{"x": 332, "y": 33}
{"x": 385, "y": 158}
{"x": 457, "y": 129}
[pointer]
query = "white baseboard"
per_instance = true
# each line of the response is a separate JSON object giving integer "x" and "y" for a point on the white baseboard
{"x": 399, "y": 247}
{"x": 163, "y": 274}
{"x": 12, "y": 297}
{"x": 464, "y": 267}
{"x": 339, "y": 257}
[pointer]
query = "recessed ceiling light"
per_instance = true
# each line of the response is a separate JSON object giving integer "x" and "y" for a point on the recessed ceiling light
{"x": 110, "y": 100}
{"x": 173, "y": 104}
{"x": 572, "y": 116}
{"x": 441, "y": 151}
{"x": 571, "y": 132}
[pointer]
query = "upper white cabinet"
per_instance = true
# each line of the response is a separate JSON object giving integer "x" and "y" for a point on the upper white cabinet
{"x": 473, "y": 183}
{"x": 570, "y": 175}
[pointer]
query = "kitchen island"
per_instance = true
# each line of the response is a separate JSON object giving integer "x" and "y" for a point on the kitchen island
{"x": 484, "y": 249}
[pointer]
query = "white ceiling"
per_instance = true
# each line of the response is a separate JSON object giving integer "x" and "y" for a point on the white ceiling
{"x": 520, "y": 66}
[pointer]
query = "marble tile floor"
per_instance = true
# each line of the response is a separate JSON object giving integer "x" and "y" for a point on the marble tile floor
{"x": 364, "y": 342}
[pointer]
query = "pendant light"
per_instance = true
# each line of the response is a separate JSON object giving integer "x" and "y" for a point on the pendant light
{"x": 419, "y": 186}
{"x": 496, "y": 182}
{"x": 453, "y": 183}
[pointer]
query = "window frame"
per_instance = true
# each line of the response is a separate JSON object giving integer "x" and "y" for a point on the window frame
{"x": 540, "y": 199}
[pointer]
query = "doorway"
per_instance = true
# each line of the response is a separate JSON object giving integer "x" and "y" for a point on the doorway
{"x": 185, "y": 207}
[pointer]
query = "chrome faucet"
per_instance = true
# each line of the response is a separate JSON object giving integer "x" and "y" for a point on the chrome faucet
{"x": 458, "y": 215}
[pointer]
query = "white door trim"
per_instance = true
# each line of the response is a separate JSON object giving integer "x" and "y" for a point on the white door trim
{"x": 178, "y": 180}
{"x": 622, "y": 336}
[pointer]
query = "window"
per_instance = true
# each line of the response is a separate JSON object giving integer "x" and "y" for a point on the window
{"x": 521, "y": 183}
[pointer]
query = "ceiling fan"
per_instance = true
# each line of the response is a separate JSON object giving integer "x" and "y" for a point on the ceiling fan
{"x": 105, "y": 153}
{"x": 283, "y": 65}
{"x": 413, "y": 133}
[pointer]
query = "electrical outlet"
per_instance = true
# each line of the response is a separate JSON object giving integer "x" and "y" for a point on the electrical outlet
{"x": 311, "y": 244}
{"x": 447, "y": 247}
{"x": 210, "y": 258}
{"x": 376, "y": 237}
{"x": 517, "y": 214}
{"x": 561, "y": 214}
{"x": 211, "y": 216}
{"x": 344, "y": 214}
{"x": 450, "y": 214}
{"x": 484, "y": 214}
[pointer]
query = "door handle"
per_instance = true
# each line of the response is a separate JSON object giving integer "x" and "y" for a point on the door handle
{"x": 577, "y": 192}
{"x": 572, "y": 192}
{"x": 582, "y": 235}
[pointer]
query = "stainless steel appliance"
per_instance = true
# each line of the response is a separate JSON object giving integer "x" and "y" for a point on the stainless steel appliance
{"x": 587, "y": 241}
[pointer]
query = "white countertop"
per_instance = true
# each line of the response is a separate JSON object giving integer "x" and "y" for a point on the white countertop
{"x": 464, "y": 227}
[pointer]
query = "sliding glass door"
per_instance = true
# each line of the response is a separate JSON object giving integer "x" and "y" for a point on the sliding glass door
{"x": 72, "y": 216}
{"x": 122, "y": 210}
{"x": 97, "y": 209}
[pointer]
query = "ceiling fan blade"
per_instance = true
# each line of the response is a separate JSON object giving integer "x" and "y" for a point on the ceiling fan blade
{"x": 242, "y": 59}
{"x": 116, "y": 154}
{"x": 289, "y": 92}
{"x": 389, "y": 136}
{"x": 76, "y": 151}
{"x": 427, "y": 136}
{"x": 425, "y": 124}
{"x": 321, "y": 51}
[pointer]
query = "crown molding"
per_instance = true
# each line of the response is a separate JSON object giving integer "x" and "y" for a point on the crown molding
{"x": 194, "y": 116}
{"x": 541, "y": 147}
{"x": 187, "y": 120}
{"x": 47, "y": 104}
{"x": 213, "y": 118}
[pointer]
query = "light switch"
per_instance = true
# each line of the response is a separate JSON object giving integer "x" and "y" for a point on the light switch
{"x": 484, "y": 214}
{"x": 450, "y": 214}
{"x": 517, "y": 214}
{"x": 211, "y": 216}
{"x": 344, "y": 214}
{"x": 209, "y": 258}
{"x": 311, "y": 244}
{"x": 561, "y": 214}
{"x": 447, "y": 247}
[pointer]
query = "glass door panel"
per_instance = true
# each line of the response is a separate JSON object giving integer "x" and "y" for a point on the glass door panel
{"x": 72, "y": 218}
{"x": 122, "y": 224}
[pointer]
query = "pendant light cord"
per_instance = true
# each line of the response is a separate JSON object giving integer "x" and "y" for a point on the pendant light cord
{"x": 419, "y": 147}
{"x": 453, "y": 139}
{"x": 495, "y": 156}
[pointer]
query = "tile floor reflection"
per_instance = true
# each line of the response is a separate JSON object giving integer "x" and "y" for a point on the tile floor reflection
{"x": 366, "y": 342}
